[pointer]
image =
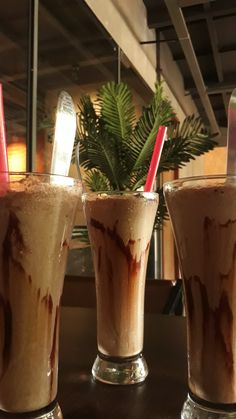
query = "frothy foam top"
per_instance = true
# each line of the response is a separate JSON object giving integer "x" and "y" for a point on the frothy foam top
{"x": 39, "y": 184}
{"x": 122, "y": 196}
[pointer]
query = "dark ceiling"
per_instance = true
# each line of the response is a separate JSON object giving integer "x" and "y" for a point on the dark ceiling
{"x": 211, "y": 26}
{"x": 74, "y": 53}
{"x": 75, "y": 50}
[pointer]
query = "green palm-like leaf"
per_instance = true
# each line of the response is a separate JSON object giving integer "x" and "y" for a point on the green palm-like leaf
{"x": 159, "y": 112}
{"x": 188, "y": 141}
{"x": 97, "y": 181}
{"x": 101, "y": 155}
{"x": 97, "y": 148}
{"x": 117, "y": 109}
{"x": 116, "y": 152}
{"x": 88, "y": 120}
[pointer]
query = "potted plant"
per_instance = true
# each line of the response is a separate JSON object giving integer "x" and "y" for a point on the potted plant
{"x": 115, "y": 148}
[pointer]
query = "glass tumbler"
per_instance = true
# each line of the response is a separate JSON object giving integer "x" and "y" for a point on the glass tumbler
{"x": 120, "y": 226}
{"x": 36, "y": 219}
{"x": 203, "y": 216}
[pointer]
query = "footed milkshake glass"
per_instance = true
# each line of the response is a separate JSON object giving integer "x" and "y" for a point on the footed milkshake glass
{"x": 203, "y": 217}
{"x": 120, "y": 226}
{"x": 36, "y": 219}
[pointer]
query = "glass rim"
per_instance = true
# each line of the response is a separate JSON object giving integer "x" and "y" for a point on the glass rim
{"x": 40, "y": 174}
{"x": 117, "y": 193}
{"x": 180, "y": 181}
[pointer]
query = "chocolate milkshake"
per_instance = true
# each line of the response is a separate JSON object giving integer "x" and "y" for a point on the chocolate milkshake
{"x": 203, "y": 215}
{"x": 120, "y": 228}
{"x": 36, "y": 216}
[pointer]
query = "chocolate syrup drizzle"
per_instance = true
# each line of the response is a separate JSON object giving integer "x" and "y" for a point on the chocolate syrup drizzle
{"x": 222, "y": 314}
{"x": 47, "y": 300}
{"x": 13, "y": 239}
{"x": 54, "y": 348}
{"x": 222, "y": 311}
{"x": 13, "y": 244}
{"x": 7, "y": 319}
{"x": 133, "y": 263}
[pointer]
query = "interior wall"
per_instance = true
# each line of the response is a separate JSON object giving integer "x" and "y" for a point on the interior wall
{"x": 133, "y": 13}
{"x": 127, "y": 33}
{"x": 211, "y": 163}
{"x": 127, "y": 23}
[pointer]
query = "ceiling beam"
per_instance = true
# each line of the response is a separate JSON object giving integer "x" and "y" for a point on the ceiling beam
{"x": 230, "y": 47}
{"x": 13, "y": 93}
{"x": 189, "y": 3}
{"x": 159, "y": 19}
{"x": 72, "y": 40}
{"x": 179, "y": 56}
{"x": 186, "y": 44}
{"x": 216, "y": 56}
{"x": 48, "y": 70}
{"x": 205, "y": 53}
{"x": 214, "y": 89}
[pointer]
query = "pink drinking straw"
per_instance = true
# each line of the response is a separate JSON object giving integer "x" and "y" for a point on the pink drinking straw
{"x": 160, "y": 138}
{"x": 3, "y": 146}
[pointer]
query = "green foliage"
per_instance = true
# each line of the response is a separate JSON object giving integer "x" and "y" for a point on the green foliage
{"x": 116, "y": 150}
{"x": 96, "y": 181}
{"x": 185, "y": 142}
{"x": 117, "y": 110}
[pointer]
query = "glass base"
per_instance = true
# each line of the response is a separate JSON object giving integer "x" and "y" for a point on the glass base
{"x": 193, "y": 410}
{"x": 120, "y": 371}
{"x": 53, "y": 411}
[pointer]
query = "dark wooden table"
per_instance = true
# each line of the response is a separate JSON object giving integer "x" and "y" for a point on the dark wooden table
{"x": 160, "y": 396}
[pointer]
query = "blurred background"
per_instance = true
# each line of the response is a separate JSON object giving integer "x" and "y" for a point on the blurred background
{"x": 77, "y": 45}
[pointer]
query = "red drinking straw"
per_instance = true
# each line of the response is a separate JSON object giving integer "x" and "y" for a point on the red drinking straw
{"x": 160, "y": 138}
{"x": 3, "y": 146}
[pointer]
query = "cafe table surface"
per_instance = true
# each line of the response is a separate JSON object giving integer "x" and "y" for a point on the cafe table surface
{"x": 160, "y": 396}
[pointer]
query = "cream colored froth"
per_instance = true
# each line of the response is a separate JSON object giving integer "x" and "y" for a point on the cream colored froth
{"x": 120, "y": 229}
{"x": 36, "y": 226}
{"x": 204, "y": 221}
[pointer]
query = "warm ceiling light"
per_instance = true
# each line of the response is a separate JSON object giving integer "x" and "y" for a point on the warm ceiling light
{"x": 16, "y": 157}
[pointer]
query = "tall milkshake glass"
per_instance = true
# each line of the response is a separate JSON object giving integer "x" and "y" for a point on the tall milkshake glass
{"x": 203, "y": 216}
{"x": 120, "y": 226}
{"x": 36, "y": 219}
